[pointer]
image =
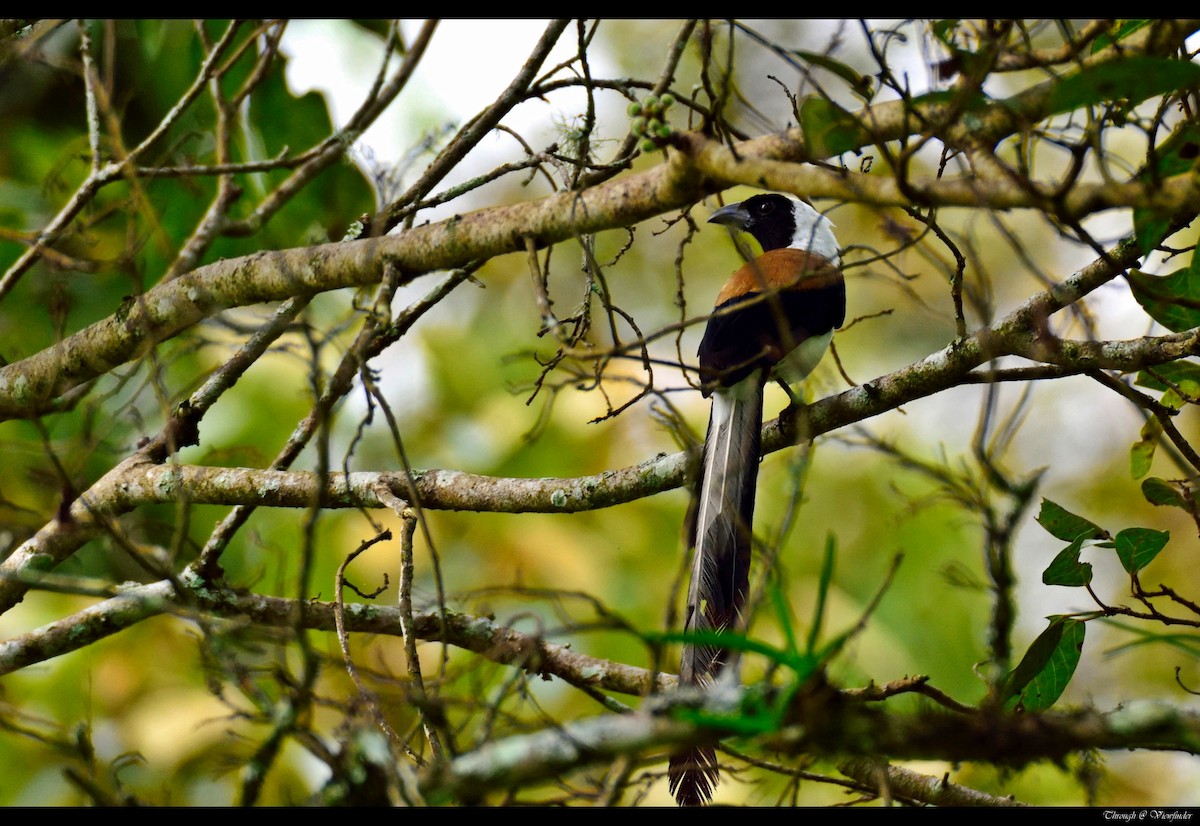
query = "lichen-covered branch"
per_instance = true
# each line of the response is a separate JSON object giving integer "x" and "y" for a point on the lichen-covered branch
{"x": 138, "y": 482}
{"x": 132, "y": 604}
{"x": 834, "y": 727}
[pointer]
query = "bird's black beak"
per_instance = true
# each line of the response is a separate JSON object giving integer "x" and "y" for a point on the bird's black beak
{"x": 731, "y": 215}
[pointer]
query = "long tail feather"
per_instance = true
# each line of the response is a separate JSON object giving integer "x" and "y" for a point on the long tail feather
{"x": 721, "y": 535}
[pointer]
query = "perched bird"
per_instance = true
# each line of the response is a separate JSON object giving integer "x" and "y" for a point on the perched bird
{"x": 774, "y": 318}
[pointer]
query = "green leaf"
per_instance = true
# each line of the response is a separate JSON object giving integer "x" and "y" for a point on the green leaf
{"x": 1174, "y": 156}
{"x": 1150, "y": 228}
{"x": 1178, "y": 373}
{"x": 860, "y": 84}
{"x": 1141, "y": 454}
{"x": 1066, "y": 569}
{"x": 1171, "y": 300}
{"x": 1186, "y": 643}
{"x": 1161, "y": 492}
{"x": 1133, "y": 79}
{"x": 1190, "y": 388}
{"x": 822, "y": 595}
{"x": 828, "y": 129}
{"x": 1174, "y": 401}
{"x": 1064, "y": 525}
{"x": 1137, "y": 547}
{"x": 1047, "y": 667}
{"x": 326, "y": 206}
{"x": 783, "y": 615}
{"x": 1121, "y": 30}
{"x": 943, "y": 29}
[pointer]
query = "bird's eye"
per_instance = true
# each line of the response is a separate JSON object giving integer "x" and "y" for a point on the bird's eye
{"x": 765, "y": 207}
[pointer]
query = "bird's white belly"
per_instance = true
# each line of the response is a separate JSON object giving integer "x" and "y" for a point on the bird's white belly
{"x": 802, "y": 360}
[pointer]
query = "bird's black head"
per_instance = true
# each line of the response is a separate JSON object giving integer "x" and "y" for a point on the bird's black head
{"x": 769, "y": 218}
{"x": 778, "y": 221}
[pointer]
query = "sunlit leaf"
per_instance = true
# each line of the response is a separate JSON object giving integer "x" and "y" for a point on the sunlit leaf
{"x": 1190, "y": 388}
{"x": 1137, "y": 547}
{"x": 1141, "y": 454}
{"x": 1047, "y": 667}
{"x": 1174, "y": 401}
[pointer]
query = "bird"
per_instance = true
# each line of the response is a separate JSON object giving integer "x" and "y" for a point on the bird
{"x": 773, "y": 319}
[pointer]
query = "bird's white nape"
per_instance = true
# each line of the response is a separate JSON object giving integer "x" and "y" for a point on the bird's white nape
{"x": 814, "y": 233}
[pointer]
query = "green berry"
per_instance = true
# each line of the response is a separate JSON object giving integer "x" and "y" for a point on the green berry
{"x": 666, "y": 100}
{"x": 648, "y": 145}
{"x": 638, "y": 126}
{"x": 634, "y": 109}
